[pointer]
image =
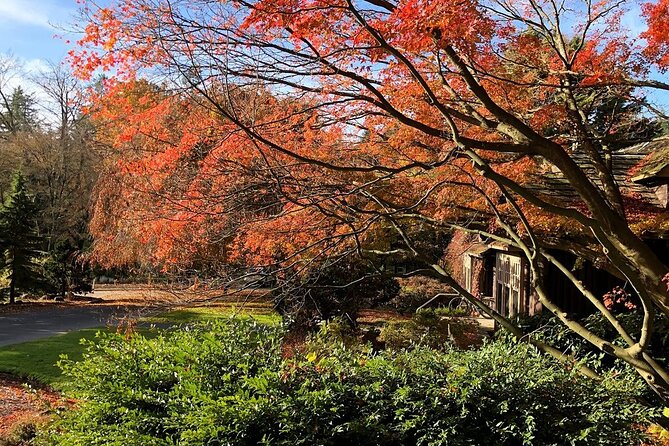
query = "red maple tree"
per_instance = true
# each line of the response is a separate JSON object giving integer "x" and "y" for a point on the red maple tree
{"x": 291, "y": 131}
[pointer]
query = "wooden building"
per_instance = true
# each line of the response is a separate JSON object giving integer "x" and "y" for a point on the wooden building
{"x": 500, "y": 273}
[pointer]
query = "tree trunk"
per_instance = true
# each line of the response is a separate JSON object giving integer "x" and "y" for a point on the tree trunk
{"x": 12, "y": 286}
{"x": 63, "y": 282}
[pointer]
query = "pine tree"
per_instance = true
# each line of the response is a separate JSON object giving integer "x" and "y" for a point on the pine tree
{"x": 17, "y": 113}
{"x": 19, "y": 236}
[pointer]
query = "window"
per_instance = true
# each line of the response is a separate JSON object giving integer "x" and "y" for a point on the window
{"x": 508, "y": 284}
{"x": 467, "y": 272}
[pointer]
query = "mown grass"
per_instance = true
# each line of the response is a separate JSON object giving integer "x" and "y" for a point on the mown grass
{"x": 262, "y": 314}
{"x": 37, "y": 359}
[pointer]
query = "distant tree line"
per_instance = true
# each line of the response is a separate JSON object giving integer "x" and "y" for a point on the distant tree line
{"x": 47, "y": 174}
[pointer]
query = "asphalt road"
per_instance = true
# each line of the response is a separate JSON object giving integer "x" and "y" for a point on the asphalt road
{"x": 31, "y": 325}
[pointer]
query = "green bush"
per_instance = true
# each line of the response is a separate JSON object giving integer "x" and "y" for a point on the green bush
{"x": 228, "y": 385}
{"x": 451, "y": 312}
{"x": 428, "y": 327}
{"x": 551, "y": 330}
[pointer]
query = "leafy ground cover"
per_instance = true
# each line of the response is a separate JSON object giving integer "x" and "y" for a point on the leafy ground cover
{"x": 210, "y": 382}
{"x": 24, "y": 407}
{"x": 228, "y": 383}
{"x": 30, "y": 388}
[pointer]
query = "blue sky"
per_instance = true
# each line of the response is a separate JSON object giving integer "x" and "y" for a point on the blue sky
{"x": 27, "y": 33}
{"x": 28, "y": 27}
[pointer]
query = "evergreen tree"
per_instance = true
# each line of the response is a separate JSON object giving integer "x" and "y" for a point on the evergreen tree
{"x": 20, "y": 239}
{"x": 18, "y": 113}
{"x": 62, "y": 271}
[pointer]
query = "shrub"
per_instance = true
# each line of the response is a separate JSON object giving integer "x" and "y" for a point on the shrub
{"x": 228, "y": 385}
{"x": 148, "y": 391}
{"x": 414, "y": 292}
{"x": 429, "y": 328}
{"x": 548, "y": 328}
{"x": 336, "y": 291}
{"x": 450, "y": 312}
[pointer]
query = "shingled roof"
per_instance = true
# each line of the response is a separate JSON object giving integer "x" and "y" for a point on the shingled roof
{"x": 653, "y": 170}
{"x": 637, "y": 169}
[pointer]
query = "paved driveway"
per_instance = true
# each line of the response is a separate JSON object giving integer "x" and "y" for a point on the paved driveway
{"x": 41, "y": 323}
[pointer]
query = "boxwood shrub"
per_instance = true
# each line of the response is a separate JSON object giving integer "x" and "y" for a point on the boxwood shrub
{"x": 227, "y": 384}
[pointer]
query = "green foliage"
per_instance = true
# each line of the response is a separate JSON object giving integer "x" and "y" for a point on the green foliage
{"x": 26, "y": 266}
{"x": 192, "y": 385}
{"x": 429, "y": 328}
{"x": 550, "y": 330}
{"x": 19, "y": 237}
{"x": 18, "y": 114}
{"x": 228, "y": 385}
{"x": 336, "y": 332}
{"x": 37, "y": 359}
{"x": 450, "y": 312}
{"x": 62, "y": 271}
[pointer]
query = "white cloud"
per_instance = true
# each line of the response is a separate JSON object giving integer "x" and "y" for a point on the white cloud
{"x": 22, "y": 76}
{"x": 24, "y": 12}
{"x": 35, "y": 65}
{"x": 42, "y": 13}
{"x": 24, "y": 69}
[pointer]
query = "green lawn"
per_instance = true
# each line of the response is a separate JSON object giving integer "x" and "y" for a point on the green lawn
{"x": 37, "y": 359}
{"x": 262, "y": 314}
